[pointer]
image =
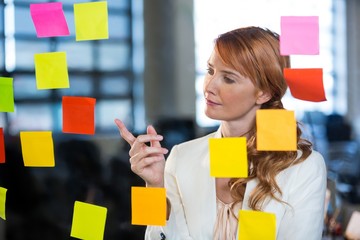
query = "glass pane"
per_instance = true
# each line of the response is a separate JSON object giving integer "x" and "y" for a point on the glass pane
{"x": 108, "y": 110}
{"x": 1, "y": 18}
{"x": 115, "y": 56}
{"x": 123, "y": 4}
{"x": 23, "y": 21}
{"x": 79, "y": 86}
{"x": 25, "y": 54}
{"x": 2, "y": 54}
{"x": 118, "y": 26}
{"x": 78, "y": 54}
{"x": 2, "y": 120}
{"x": 69, "y": 16}
{"x": 25, "y": 87}
{"x": 27, "y": 117}
{"x": 115, "y": 86}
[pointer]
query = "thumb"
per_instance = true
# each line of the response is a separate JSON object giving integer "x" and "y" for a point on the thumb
{"x": 151, "y": 130}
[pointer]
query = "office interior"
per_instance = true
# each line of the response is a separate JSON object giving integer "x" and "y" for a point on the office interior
{"x": 149, "y": 71}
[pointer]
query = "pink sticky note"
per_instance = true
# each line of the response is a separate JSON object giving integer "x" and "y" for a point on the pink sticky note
{"x": 299, "y": 35}
{"x": 49, "y": 19}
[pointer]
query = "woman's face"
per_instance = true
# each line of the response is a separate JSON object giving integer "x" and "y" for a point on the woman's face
{"x": 229, "y": 95}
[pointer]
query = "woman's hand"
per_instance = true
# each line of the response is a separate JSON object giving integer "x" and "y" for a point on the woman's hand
{"x": 147, "y": 161}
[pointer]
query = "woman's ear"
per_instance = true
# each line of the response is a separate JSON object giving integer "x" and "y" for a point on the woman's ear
{"x": 262, "y": 97}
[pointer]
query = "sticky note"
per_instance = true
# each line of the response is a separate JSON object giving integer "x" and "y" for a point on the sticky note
{"x": 299, "y": 35}
{"x": 306, "y": 84}
{"x": 51, "y": 70}
{"x": 228, "y": 157}
{"x": 78, "y": 115}
{"x": 2, "y": 146}
{"x": 37, "y": 149}
{"x": 88, "y": 221}
{"x": 276, "y": 130}
{"x": 6, "y": 95}
{"x": 3, "y": 202}
{"x": 91, "y": 21}
{"x": 49, "y": 19}
{"x": 148, "y": 206}
{"x": 256, "y": 225}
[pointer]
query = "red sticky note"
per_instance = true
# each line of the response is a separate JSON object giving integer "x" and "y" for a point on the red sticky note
{"x": 2, "y": 146}
{"x": 49, "y": 19}
{"x": 299, "y": 35}
{"x": 78, "y": 115}
{"x": 306, "y": 83}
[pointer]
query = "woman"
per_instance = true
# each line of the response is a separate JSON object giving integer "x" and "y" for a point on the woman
{"x": 245, "y": 74}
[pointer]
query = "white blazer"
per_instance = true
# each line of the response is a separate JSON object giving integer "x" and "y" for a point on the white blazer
{"x": 191, "y": 191}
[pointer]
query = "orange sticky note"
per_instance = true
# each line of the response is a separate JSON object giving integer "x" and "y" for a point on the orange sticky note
{"x": 276, "y": 130}
{"x": 148, "y": 206}
{"x": 78, "y": 115}
{"x": 256, "y": 225}
{"x": 37, "y": 149}
{"x": 91, "y": 21}
{"x": 6, "y": 95}
{"x": 88, "y": 221}
{"x": 51, "y": 70}
{"x": 3, "y": 202}
{"x": 228, "y": 157}
{"x": 2, "y": 146}
{"x": 306, "y": 84}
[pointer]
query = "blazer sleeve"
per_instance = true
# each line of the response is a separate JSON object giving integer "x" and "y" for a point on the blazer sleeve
{"x": 305, "y": 216}
{"x": 176, "y": 227}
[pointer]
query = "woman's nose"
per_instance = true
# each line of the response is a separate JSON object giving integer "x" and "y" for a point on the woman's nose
{"x": 210, "y": 84}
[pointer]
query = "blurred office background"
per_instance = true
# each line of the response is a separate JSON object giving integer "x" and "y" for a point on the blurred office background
{"x": 150, "y": 71}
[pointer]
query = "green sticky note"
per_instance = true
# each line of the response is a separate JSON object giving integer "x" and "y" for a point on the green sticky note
{"x": 228, "y": 157}
{"x": 276, "y": 130}
{"x": 88, "y": 221}
{"x": 51, "y": 70}
{"x": 37, "y": 149}
{"x": 2, "y": 202}
{"x": 6, "y": 94}
{"x": 148, "y": 206}
{"x": 256, "y": 225}
{"x": 91, "y": 21}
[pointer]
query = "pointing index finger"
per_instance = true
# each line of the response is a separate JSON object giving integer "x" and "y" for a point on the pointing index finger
{"x": 124, "y": 132}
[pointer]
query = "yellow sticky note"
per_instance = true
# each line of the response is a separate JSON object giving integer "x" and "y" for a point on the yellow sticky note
{"x": 37, "y": 149}
{"x": 256, "y": 225}
{"x": 148, "y": 206}
{"x": 88, "y": 221}
{"x": 51, "y": 70}
{"x": 2, "y": 202}
{"x": 276, "y": 130}
{"x": 91, "y": 21}
{"x": 6, "y": 94}
{"x": 228, "y": 157}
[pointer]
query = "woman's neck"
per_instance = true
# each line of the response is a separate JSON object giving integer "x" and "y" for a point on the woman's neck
{"x": 229, "y": 129}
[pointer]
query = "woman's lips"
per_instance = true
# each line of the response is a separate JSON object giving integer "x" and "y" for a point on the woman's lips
{"x": 212, "y": 103}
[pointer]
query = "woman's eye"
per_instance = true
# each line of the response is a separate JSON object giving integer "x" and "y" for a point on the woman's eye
{"x": 229, "y": 80}
{"x": 210, "y": 71}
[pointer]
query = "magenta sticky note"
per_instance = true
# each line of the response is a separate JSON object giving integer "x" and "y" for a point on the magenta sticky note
{"x": 49, "y": 19}
{"x": 299, "y": 35}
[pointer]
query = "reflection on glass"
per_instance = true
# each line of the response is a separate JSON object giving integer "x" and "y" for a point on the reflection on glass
{"x": 25, "y": 54}
{"x": 30, "y": 117}
{"x": 79, "y": 86}
{"x": 114, "y": 56}
{"x": 23, "y": 21}
{"x": 25, "y": 87}
{"x": 115, "y": 86}
{"x": 119, "y": 26}
{"x": 108, "y": 110}
{"x": 78, "y": 55}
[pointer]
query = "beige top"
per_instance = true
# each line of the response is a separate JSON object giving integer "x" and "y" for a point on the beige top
{"x": 226, "y": 220}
